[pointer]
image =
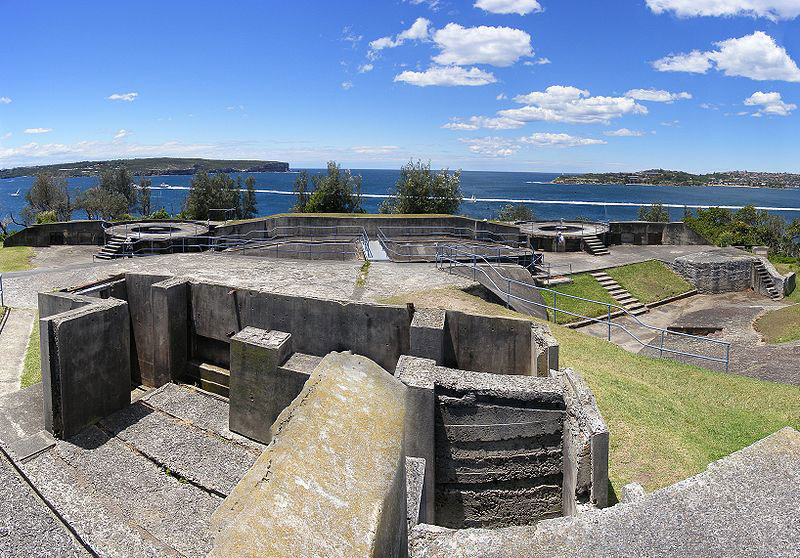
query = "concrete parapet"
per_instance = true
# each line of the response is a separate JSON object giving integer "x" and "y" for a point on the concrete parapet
{"x": 427, "y": 334}
{"x": 415, "y": 483}
{"x": 259, "y": 389}
{"x": 85, "y": 348}
{"x": 332, "y": 482}
{"x": 170, "y": 298}
{"x": 546, "y": 347}
{"x": 143, "y": 315}
{"x": 717, "y": 270}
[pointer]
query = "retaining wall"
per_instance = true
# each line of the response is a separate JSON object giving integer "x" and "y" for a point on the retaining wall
{"x": 70, "y": 232}
{"x": 644, "y": 233}
{"x": 717, "y": 271}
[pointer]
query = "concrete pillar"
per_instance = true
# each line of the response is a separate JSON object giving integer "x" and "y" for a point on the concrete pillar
{"x": 170, "y": 302}
{"x": 86, "y": 370}
{"x": 259, "y": 388}
{"x": 427, "y": 334}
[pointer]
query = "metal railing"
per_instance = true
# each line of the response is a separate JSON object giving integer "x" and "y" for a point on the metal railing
{"x": 2, "y": 300}
{"x": 499, "y": 252}
{"x": 453, "y": 258}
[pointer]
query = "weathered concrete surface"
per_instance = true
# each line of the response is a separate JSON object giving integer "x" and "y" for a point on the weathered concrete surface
{"x": 718, "y": 270}
{"x": 86, "y": 371}
{"x": 546, "y": 348}
{"x": 743, "y": 505}
{"x": 13, "y": 344}
{"x": 170, "y": 302}
{"x": 143, "y": 317}
{"x": 415, "y": 482}
{"x": 428, "y": 334}
{"x": 511, "y": 283}
{"x": 332, "y": 482}
{"x": 259, "y": 389}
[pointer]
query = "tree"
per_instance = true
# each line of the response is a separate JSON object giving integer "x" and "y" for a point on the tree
{"x": 249, "y": 208}
{"x": 48, "y": 193}
{"x": 121, "y": 182}
{"x": 144, "y": 195}
{"x": 338, "y": 191}
{"x": 420, "y": 190}
{"x": 209, "y": 192}
{"x": 655, "y": 213}
{"x": 516, "y": 212}
{"x": 101, "y": 203}
{"x": 301, "y": 191}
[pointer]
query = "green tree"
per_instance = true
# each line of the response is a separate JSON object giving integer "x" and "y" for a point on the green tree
{"x": 338, "y": 191}
{"x": 144, "y": 195}
{"x": 249, "y": 208}
{"x": 516, "y": 212}
{"x": 101, "y": 203}
{"x": 420, "y": 190}
{"x": 209, "y": 192}
{"x": 48, "y": 193}
{"x": 655, "y": 213}
{"x": 301, "y": 191}
{"x": 120, "y": 181}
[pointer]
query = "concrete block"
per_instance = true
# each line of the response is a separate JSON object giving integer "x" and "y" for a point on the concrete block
{"x": 632, "y": 492}
{"x": 427, "y": 334}
{"x": 415, "y": 482}
{"x": 138, "y": 287}
{"x": 170, "y": 330}
{"x": 86, "y": 373}
{"x": 332, "y": 482}
{"x": 546, "y": 349}
{"x": 259, "y": 391}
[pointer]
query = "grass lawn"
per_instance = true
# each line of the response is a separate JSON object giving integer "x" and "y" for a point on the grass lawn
{"x": 32, "y": 369}
{"x": 584, "y": 286}
{"x": 668, "y": 420}
{"x": 17, "y": 258}
{"x": 780, "y": 326}
{"x": 649, "y": 281}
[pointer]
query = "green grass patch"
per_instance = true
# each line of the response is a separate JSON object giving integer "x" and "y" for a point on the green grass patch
{"x": 361, "y": 280}
{"x": 649, "y": 281}
{"x": 16, "y": 258}
{"x": 584, "y": 286}
{"x": 32, "y": 369}
{"x": 780, "y": 326}
{"x": 667, "y": 420}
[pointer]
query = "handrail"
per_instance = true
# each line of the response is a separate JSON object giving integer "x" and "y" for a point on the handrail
{"x": 620, "y": 310}
{"x": 2, "y": 302}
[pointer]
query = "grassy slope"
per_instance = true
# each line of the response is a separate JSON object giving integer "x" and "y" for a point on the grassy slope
{"x": 780, "y": 326}
{"x": 32, "y": 369}
{"x": 649, "y": 281}
{"x": 584, "y": 286}
{"x": 17, "y": 258}
{"x": 668, "y": 420}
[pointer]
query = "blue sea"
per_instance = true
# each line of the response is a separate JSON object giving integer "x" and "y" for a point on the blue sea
{"x": 491, "y": 190}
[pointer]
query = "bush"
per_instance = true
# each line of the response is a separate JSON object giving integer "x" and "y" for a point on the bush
{"x": 655, "y": 213}
{"x": 45, "y": 217}
{"x": 160, "y": 214}
{"x": 419, "y": 190}
{"x": 209, "y": 192}
{"x": 516, "y": 212}
{"x": 338, "y": 191}
{"x": 47, "y": 194}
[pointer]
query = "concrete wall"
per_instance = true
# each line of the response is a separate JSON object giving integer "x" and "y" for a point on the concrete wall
{"x": 332, "y": 482}
{"x": 85, "y": 349}
{"x": 142, "y": 313}
{"x": 305, "y": 250}
{"x": 644, "y": 232}
{"x": 717, "y": 271}
{"x": 71, "y": 232}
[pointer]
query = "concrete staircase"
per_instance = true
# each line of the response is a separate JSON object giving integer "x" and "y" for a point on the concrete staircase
{"x": 113, "y": 249}
{"x": 595, "y": 246}
{"x": 766, "y": 279}
{"x": 623, "y": 297}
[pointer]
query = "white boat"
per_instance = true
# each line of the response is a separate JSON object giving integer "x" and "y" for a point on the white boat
{"x": 164, "y": 185}
{"x": 472, "y": 199}
{"x": 15, "y": 194}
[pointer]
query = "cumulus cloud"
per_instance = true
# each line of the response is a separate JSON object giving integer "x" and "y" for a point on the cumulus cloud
{"x": 770, "y": 104}
{"x": 520, "y": 7}
{"x": 624, "y": 133}
{"x": 123, "y": 96}
{"x": 657, "y": 95}
{"x": 375, "y": 149}
{"x": 560, "y": 103}
{"x": 4, "y": 100}
{"x": 756, "y": 56}
{"x": 542, "y": 139}
{"x": 501, "y": 97}
{"x": 489, "y": 122}
{"x": 492, "y": 146}
{"x": 350, "y": 37}
{"x": 37, "y": 130}
{"x": 446, "y": 76}
{"x": 347, "y": 85}
{"x": 498, "y": 46}
{"x": 538, "y": 62}
{"x": 419, "y": 31}
{"x": 364, "y": 68}
{"x": 121, "y": 134}
{"x": 770, "y": 9}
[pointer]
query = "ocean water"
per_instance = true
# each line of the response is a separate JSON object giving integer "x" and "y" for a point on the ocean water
{"x": 491, "y": 191}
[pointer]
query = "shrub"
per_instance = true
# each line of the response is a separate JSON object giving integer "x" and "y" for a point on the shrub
{"x": 420, "y": 190}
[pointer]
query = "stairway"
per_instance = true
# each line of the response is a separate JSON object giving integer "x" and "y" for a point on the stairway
{"x": 623, "y": 297}
{"x": 766, "y": 279}
{"x": 594, "y": 246}
{"x": 114, "y": 248}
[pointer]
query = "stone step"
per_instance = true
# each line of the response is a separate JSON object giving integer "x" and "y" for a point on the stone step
{"x": 209, "y": 372}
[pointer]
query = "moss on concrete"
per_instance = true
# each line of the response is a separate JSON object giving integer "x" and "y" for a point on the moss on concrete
{"x": 32, "y": 368}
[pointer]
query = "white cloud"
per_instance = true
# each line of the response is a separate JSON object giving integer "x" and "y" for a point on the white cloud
{"x": 4, "y": 100}
{"x": 560, "y": 103}
{"x": 7, "y": 135}
{"x": 37, "y": 130}
{"x": 234, "y": 107}
{"x": 709, "y": 106}
{"x": 771, "y": 104}
{"x": 671, "y": 123}
{"x": 121, "y": 134}
{"x": 364, "y": 68}
{"x": 770, "y": 9}
{"x": 624, "y": 133}
{"x": 542, "y": 139}
{"x": 347, "y": 85}
{"x": 432, "y": 4}
{"x": 657, "y": 95}
{"x": 375, "y": 149}
{"x": 419, "y": 31}
{"x": 447, "y": 76}
{"x": 123, "y": 96}
{"x": 476, "y": 122}
{"x": 501, "y": 97}
{"x": 756, "y": 56}
{"x": 498, "y": 46}
{"x": 492, "y": 146}
{"x": 350, "y": 37}
{"x": 520, "y": 7}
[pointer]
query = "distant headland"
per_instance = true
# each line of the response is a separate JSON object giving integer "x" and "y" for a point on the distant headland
{"x": 661, "y": 177}
{"x": 150, "y": 166}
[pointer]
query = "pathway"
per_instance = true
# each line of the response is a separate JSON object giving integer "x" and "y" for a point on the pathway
{"x": 13, "y": 343}
{"x": 623, "y": 297}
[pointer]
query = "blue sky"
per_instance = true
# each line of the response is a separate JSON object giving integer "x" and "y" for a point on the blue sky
{"x": 547, "y": 85}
